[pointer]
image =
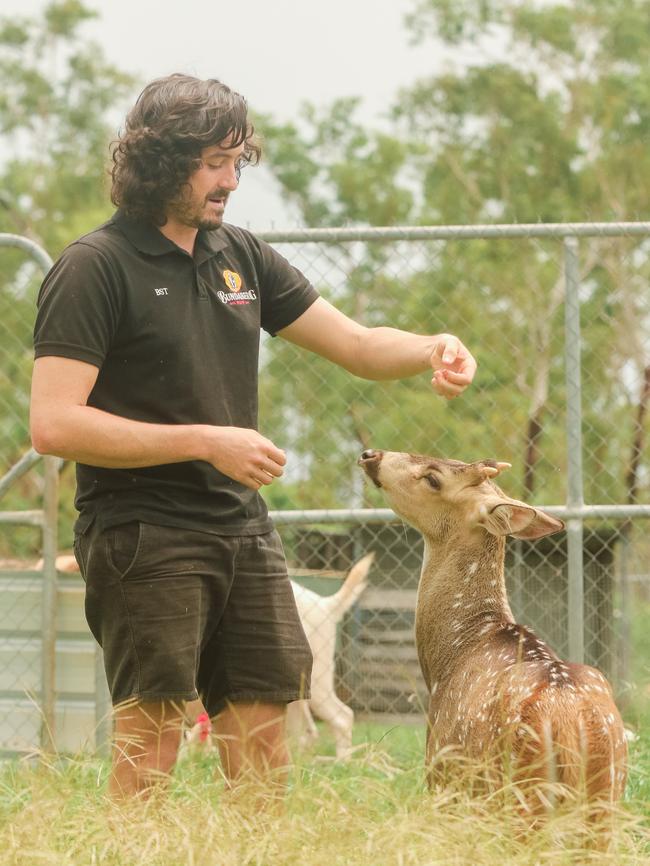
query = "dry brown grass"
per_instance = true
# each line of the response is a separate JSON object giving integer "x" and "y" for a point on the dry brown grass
{"x": 372, "y": 811}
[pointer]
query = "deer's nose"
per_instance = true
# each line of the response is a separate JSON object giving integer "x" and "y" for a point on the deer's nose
{"x": 369, "y": 462}
{"x": 370, "y": 455}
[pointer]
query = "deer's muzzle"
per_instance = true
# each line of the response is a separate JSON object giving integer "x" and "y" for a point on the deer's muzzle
{"x": 369, "y": 462}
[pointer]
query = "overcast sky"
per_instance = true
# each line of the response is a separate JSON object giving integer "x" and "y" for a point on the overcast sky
{"x": 278, "y": 53}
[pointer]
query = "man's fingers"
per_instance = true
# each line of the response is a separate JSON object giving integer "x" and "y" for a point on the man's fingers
{"x": 452, "y": 356}
{"x": 462, "y": 379}
{"x": 267, "y": 468}
{"x": 468, "y": 366}
{"x": 276, "y": 455}
{"x": 266, "y": 474}
{"x": 443, "y": 384}
{"x": 246, "y": 456}
{"x": 273, "y": 469}
{"x": 446, "y": 351}
{"x": 450, "y": 350}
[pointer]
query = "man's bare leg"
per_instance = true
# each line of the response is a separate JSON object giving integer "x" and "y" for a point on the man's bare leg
{"x": 145, "y": 744}
{"x": 252, "y": 744}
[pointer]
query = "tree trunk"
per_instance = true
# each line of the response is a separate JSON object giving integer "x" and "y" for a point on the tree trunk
{"x": 531, "y": 455}
{"x": 638, "y": 440}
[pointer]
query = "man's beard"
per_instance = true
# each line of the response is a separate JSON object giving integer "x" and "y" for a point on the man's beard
{"x": 190, "y": 214}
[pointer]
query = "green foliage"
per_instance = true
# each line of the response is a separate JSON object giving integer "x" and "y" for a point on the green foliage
{"x": 547, "y": 121}
{"x": 553, "y": 130}
{"x": 335, "y": 170}
{"x": 454, "y": 21}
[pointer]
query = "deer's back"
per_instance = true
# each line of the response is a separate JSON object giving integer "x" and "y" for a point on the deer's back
{"x": 510, "y": 695}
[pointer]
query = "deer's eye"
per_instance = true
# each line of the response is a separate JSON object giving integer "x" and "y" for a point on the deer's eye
{"x": 433, "y": 482}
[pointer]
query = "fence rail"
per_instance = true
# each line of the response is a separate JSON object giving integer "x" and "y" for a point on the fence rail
{"x": 557, "y": 231}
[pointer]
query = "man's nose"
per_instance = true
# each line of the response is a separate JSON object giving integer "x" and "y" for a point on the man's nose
{"x": 229, "y": 178}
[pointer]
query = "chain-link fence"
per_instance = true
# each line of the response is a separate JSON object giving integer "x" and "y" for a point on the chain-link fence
{"x": 559, "y": 320}
{"x": 28, "y": 625}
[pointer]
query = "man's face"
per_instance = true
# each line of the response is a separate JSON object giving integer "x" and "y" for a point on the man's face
{"x": 201, "y": 203}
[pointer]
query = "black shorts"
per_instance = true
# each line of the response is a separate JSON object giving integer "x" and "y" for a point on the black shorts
{"x": 182, "y": 614}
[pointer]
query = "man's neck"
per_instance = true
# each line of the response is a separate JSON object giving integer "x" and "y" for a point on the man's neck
{"x": 182, "y": 235}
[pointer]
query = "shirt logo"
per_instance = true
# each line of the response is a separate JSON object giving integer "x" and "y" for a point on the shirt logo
{"x": 232, "y": 280}
{"x": 235, "y": 296}
{"x": 162, "y": 291}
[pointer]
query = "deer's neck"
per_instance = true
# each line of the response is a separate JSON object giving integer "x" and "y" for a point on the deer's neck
{"x": 461, "y": 596}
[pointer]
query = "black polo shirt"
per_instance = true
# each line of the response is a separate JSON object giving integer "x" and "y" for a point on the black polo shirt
{"x": 176, "y": 340}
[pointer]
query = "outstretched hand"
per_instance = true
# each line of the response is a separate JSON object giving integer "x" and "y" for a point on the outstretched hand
{"x": 453, "y": 365}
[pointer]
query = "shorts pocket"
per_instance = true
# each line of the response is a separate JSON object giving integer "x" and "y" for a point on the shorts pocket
{"x": 80, "y": 550}
{"x": 81, "y": 542}
{"x": 122, "y": 544}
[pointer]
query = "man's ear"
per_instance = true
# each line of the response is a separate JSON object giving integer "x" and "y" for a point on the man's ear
{"x": 510, "y": 517}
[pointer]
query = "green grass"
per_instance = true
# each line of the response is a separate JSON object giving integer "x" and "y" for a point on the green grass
{"x": 371, "y": 811}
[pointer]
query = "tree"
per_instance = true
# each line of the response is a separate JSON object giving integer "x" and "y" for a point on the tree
{"x": 546, "y": 123}
{"x": 559, "y": 138}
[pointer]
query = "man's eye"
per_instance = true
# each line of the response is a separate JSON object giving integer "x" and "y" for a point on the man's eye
{"x": 433, "y": 482}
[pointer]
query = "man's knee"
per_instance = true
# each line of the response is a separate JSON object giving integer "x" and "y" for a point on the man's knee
{"x": 149, "y": 733}
{"x": 257, "y": 721}
{"x": 252, "y": 736}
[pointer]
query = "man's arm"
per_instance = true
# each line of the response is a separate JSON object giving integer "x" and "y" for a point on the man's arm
{"x": 382, "y": 353}
{"x": 63, "y": 424}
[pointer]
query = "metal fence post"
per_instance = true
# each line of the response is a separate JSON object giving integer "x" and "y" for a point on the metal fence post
{"x": 574, "y": 450}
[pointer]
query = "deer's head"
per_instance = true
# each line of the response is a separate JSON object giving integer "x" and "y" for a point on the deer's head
{"x": 439, "y": 496}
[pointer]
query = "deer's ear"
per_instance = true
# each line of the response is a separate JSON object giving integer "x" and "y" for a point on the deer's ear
{"x": 509, "y": 517}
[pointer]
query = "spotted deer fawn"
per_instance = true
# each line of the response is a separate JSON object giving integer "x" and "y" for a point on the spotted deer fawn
{"x": 497, "y": 692}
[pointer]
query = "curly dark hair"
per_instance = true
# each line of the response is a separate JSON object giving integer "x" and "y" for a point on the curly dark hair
{"x": 172, "y": 121}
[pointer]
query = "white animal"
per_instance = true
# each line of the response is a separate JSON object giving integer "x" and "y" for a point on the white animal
{"x": 320, "y": 616}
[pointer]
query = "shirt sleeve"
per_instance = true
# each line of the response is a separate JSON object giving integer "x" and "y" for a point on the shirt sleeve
{"x": 285, "y": 292}
{"x": 78, "y": 306}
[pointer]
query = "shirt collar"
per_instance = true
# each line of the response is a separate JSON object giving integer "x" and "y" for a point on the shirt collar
{"x": 209, "y": 244}
{"x": 146, "y": 238}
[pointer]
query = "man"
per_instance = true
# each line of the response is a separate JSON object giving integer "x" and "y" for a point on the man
{"x": 146, "y": 345}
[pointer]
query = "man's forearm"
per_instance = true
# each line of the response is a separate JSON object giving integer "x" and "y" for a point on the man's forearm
{"x": 388, "y": 353}
{"x": 382, "y": 352}
{"x": 88, "y": 435}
